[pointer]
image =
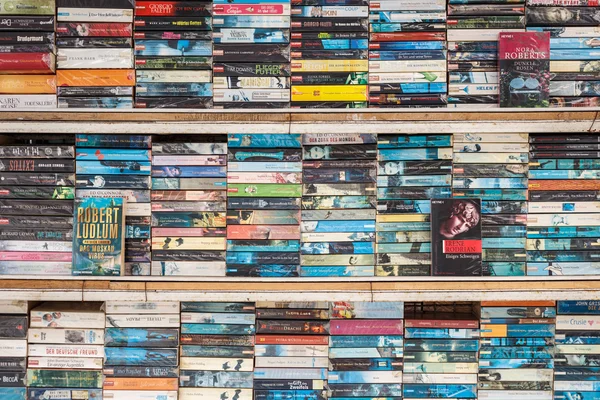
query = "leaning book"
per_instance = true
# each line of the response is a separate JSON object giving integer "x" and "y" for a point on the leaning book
{"x": 456, "y": 248}
{"x": 99, "y": 237}
{"x": 524, "y": 69}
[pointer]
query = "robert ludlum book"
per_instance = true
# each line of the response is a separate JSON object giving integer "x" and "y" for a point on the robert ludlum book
{"x": 99, "y": 237}
{"x": 456, "y": 237}
{"x": 524, "y": 69}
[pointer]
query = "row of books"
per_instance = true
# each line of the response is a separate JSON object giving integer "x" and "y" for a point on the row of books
{"x": 288, "y": 205}
{"x": 495, "y": 350}
{"x": 304, "y": 54}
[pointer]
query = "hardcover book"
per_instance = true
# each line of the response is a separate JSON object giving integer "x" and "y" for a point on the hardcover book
{"x": 456, "y": 237}
{"x": 99, "y": 237}
{"x": 524, "y": 69}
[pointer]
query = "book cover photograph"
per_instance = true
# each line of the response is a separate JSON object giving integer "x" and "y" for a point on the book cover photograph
{"x": 456, "y": 237}
{"x": 99, "y": 237}
{"x": 524, "y": 69}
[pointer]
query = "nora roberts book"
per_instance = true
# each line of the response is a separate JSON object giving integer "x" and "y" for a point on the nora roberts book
{"x": 524, "y": 69}
{"x": 99, "y": 237}
{"x": 456, "y": 237}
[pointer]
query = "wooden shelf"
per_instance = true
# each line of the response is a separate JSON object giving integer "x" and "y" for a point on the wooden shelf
{"x": 300, "y": 121}
{"x": 327, "y": 289}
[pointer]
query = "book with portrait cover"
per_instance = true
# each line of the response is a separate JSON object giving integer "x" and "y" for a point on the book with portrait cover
{"x": 524, "y": 69}
{"x": 456, "y": 237}
{"x": 99, "y": 237}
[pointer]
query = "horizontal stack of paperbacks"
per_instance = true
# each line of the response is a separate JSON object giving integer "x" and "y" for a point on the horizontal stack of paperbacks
{"x": 121, "y": 54}
{"x": 287, "y": 205}
{"x": 124, "y": 350}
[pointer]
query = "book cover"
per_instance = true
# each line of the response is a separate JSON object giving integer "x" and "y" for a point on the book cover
{"x": 456, "y": 237}
{"x": 99, "y": 237}
{"x": 524, "y": 69}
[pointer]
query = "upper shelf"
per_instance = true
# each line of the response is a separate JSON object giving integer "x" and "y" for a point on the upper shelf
{"x": 300, "y": 121}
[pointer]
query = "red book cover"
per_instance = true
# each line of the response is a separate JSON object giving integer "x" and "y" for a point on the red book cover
{"x": 456, "y": 237}
{"x": 30, "y": 63}
{"x": 524, "y": 69}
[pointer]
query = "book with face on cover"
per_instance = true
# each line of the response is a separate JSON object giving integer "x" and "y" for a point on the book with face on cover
{"x": 456, "y": 237}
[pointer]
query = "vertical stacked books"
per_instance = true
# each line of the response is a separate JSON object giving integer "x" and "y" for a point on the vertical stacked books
{"x": 576, "y": 374}
{"x": 37, "y": 205}
{"x": 217, "y": 357}
{"x": 408, "y": 53}
{"x": 413, "y": 169}
{"x": 330, "y": 54}
{"x": 493, "y": 167}
{"x": 517, "y": 350}
{"x": 173, "y": 51}
{"x": 291, "y": 350}
{"x": 473, "y": 29}
{"x": 441, "y": 356}
{"x": 563, "y": 224}
{"x": 366, "y": 349}
{"x": 251, "y": 53}
{"x": 141, "y": 353}
{"x": 338, "y": 217}
{"x": 66, "y": 349}
{"x": 95, "y": 54}
{"x": 113, "y": 166}
{"x": 264, "y": 189}
{"x": 574, "y": 69}
{"x": 13, "y": 335}
{"x": 27, "y": 60}
{"x": 188, "y": 222}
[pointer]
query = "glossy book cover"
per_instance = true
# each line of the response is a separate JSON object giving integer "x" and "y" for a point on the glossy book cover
{"x": 456, "y": 237}
{"x": 524, "y": 69}
{"x": 99, "y": 237}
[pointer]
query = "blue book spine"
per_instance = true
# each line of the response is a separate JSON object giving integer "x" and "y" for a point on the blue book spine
{"x": 113, "y": 167}
{"x": 338, "y": 248}
{"x": 490, "y": 183}
{"x": 529, "y": 330}
{"x": 265, "y": 271}
{"x": 217, "y": 329}
{"x": 404, "y": 248}
{"x": 575, "y": 395}
{"x": 573, "y": 43}
{"x": 249, "y": 35}
{"x": 365, "y": 341}
{"x": 141, "y": 357}
{"x": 60, "y": 394}
{"x": 217, "y": 351}
{"x": 338, "y": 226}
{"x": 8, "y": 393}
{"x": 188, "y": 172}
{"x": 264, "y": 140}
{"x": 441, "y": 345}
{"x": 516, "y": 352}
{"x": 179, "y": 48}
{"x": 336, "y": 271}
{"x": 409, "y": 141}
{"x": 409, "y": 154}
{"x": 136, "y": 337}
{"x": 289, "y": 394}
{"x": 430, "y": 193}
{"x": 574, "y": 307}
{"x": 94, "y": 154}
{"x": 517, "y": 363}
{"x": 503, "y": 243}
{"x": 440, "y": 391}
{"x": 579, "y": 55}
{"x": 492, "y": 194}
